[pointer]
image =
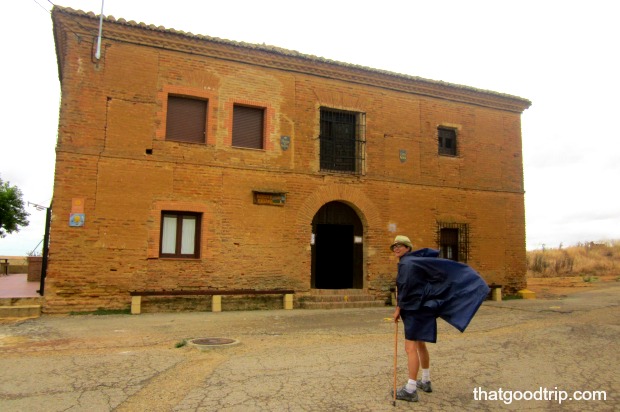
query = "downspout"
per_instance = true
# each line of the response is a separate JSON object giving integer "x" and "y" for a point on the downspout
{"x": 46, "y": 241}
{"x": 98, "y": 52}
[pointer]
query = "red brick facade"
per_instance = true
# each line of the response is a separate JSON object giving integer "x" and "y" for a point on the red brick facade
{"x": 113, "y": 153}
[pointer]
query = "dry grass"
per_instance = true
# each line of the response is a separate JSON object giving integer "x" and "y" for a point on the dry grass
{"x": 586, "y": 260}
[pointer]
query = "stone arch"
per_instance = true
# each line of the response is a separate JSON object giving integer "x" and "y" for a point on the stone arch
{"x": 365, "y": 209}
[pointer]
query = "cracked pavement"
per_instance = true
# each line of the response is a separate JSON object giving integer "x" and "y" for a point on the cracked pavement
{"x": 311, "y": 360}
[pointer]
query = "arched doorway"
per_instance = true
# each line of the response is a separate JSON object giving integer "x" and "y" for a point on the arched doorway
{"x": 337, "y": 254}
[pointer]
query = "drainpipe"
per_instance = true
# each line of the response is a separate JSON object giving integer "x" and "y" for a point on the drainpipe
{"x": 46, "y": 240}
{"x": 98, "y": 52}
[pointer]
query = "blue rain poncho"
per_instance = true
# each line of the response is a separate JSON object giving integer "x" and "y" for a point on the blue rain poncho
{"x": 452, "y": 290}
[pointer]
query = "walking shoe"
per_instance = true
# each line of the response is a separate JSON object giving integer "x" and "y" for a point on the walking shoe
{"x": 403, "y": 395}
{"x": 425, "y": 386}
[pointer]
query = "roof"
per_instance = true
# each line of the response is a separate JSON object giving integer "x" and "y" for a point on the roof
{"x": 512, "y": 103}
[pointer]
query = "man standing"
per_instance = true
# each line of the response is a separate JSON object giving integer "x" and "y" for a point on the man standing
{"x": 427, "y": 288}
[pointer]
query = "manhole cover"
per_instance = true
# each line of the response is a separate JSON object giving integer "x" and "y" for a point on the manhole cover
{"x": 204, "y": 343}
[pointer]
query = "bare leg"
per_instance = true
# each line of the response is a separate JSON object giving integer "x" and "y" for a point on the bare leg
{"x": 423, "y": 355}
{"x": 413, "y": 360}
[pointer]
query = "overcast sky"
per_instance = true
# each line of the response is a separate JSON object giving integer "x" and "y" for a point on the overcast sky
{"x": 560, "y": 54}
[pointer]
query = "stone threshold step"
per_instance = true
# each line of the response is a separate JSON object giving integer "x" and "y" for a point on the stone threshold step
{"x": 336, "y": 298}
{"x": 23, "y": 311}
{"x": 20, "y": 301}
{"x": 340, "y": 305}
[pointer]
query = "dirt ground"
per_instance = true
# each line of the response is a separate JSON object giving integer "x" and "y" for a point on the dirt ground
{"x": 317, "y": 360}
{"x": 561, "y": 287}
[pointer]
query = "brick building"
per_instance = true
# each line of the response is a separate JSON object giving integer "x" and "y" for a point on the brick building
{"x": 189, "y": 162}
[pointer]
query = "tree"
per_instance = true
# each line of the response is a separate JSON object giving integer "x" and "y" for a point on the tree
{"x": 12, "y": 213}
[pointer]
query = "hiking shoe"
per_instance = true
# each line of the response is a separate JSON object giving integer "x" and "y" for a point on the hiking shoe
{"x": 403, "y": 395}
{"x": 425, "y": 386}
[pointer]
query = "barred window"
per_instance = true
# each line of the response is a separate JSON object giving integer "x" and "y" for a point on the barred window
{"x": 342, "y": 141}
{"x": 453, "y": 241}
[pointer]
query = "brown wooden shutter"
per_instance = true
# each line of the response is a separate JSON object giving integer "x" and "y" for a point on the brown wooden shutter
{"x": 447, "y": 141}
{"x": 186, "y": 120}
{"x": 247, "y": 127}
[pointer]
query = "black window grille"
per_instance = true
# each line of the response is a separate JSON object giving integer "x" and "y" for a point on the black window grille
{"x": 342, "y": 141}
{"x": 447, "y": 141}
{"x": 453, "y": 241}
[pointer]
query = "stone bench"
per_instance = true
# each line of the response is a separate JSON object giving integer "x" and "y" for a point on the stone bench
{"x": 216, "y": 301}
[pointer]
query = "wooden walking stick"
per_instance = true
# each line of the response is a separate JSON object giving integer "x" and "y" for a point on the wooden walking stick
{"x": 395, "y": 347}
{"x": 395, "y": 358}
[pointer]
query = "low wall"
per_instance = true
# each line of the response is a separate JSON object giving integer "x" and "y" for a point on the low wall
{"x": 35, "y": 264}
{"x": 17, "y": 264}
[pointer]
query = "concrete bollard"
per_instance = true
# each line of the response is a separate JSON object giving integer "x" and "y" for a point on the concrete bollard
{"x": 288, "y": 301}
{"x": 496, "y": 294}
{"x": 136, "y": 303}
{"x": 216, "y": 303}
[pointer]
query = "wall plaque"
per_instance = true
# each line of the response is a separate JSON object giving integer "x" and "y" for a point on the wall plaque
{"x": 402, "y": 155}
{"x": 269, "y": 198}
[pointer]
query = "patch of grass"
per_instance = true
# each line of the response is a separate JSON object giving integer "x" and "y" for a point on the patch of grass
{"x": 181, "y": 343}
{"x": 512, "y": 297}
{"x": 102, "y": 311}
{"x": 590, "y": 279}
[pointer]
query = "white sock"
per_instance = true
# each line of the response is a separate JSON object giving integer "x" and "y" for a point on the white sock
{"x": 426, "y": 375}
{"x": 411, "y": 386}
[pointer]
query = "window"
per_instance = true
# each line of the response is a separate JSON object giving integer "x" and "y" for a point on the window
{"x": 248, "y": 127}
{"x": 186, "y": 119}
{"x": 447, "y": 141}
{"x": 453, "y": 241}
{"x": 342, "y": 141}
{"x": 449, "y": 244}
{"x": 180, "y": 235}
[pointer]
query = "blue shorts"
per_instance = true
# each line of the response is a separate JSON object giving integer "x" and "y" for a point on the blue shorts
{"x": 419, "y": 325}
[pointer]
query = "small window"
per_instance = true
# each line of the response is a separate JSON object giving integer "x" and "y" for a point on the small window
{"x": 447, "y": 141}
{"x": 449, "y": 244}
{"x": 186, "y": 119}
{"x": 453, "y": 241}
{"x": 180, "y": 235}
{"x": 248, "y": 127}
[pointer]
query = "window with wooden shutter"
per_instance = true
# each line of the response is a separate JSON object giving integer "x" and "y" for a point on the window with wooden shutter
{"x": 248, "y": 127}
{"x": 446, "y": 141}
{"x": 186, "y": 119}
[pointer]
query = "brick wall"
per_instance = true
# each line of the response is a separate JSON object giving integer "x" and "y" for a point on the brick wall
{"x": 112, "y": 152}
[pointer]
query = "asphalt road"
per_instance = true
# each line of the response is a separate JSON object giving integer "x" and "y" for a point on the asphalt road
{"x": 315, "y": 360}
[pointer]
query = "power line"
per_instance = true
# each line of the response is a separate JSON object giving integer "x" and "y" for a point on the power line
{"x": 40, "y": 5}
{"x": 70, "y": 17}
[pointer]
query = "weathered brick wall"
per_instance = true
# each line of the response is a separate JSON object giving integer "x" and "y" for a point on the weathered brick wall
{"x": 112, "y": 152}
